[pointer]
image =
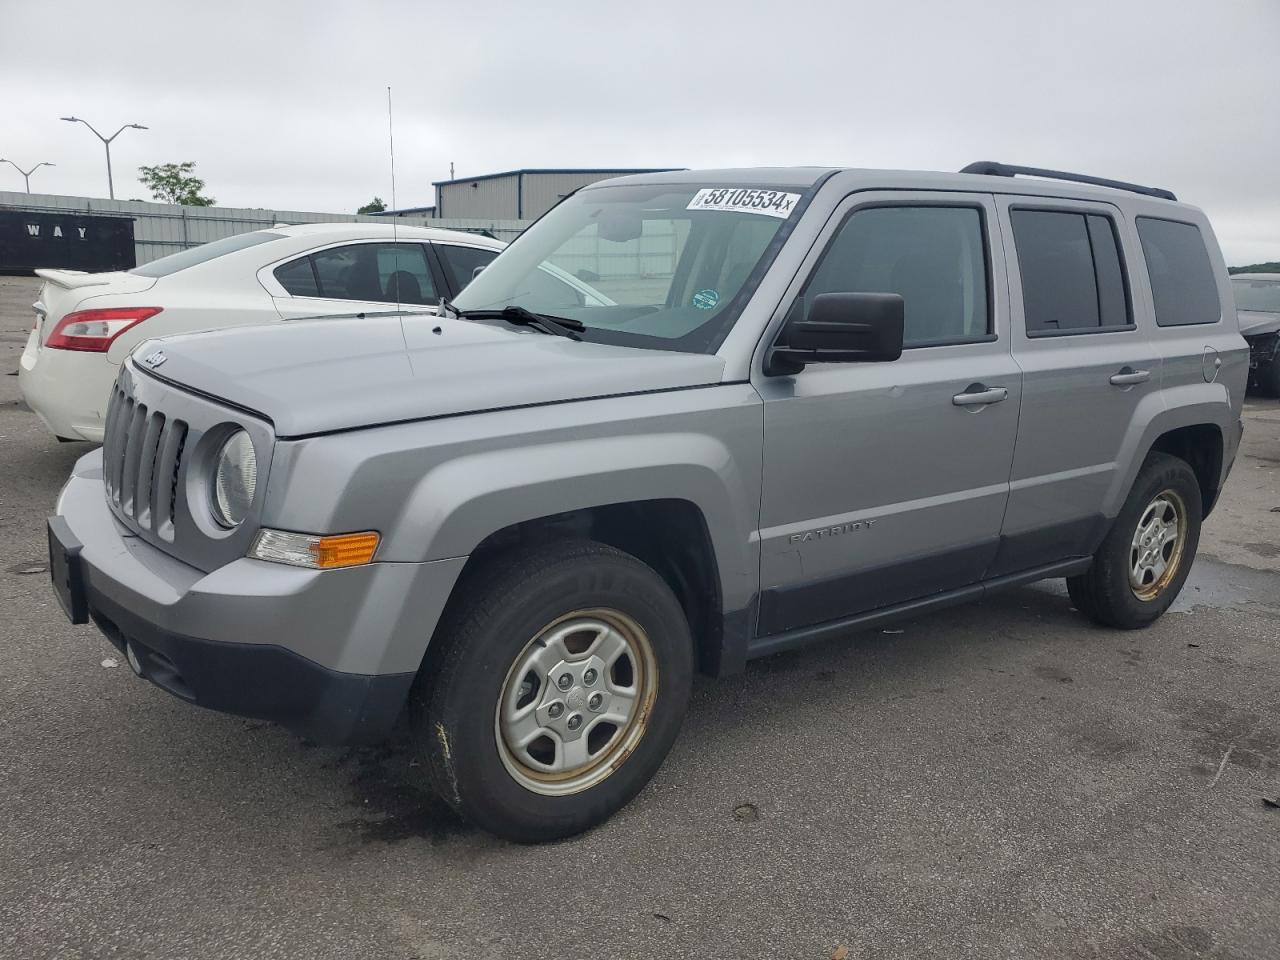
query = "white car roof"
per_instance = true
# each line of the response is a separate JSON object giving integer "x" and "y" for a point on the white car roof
{"x": 376, "y": 231}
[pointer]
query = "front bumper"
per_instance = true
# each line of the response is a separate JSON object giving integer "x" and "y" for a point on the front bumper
{"x": 330, "y": 654}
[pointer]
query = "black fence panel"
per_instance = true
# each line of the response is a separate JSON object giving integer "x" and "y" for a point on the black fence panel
{"x": 74, "y": 241}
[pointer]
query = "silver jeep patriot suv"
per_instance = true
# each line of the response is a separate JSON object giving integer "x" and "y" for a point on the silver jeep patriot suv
{"x": 774, "y": 406}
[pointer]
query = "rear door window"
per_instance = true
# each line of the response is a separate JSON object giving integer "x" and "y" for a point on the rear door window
{"x": 1182, "y": 282}
{"x": 1073, "y": 278}
{"x": 371, "y": 272}
{"x": 404, "y": 274}
{"x": 1113, "y": 297}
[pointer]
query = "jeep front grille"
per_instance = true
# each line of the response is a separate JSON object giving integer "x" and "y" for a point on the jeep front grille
{"x": 157, "y": 443}
{"x": 141, "y": 461}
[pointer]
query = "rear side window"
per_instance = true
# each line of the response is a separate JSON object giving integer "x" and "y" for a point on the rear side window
{"x": 1182, "y": 282}
{"x": 404, "y": 274}
{"x": 933, "y": 257}
{"x": 463, "y": 261}
{"x": 204, "y": 253}
{"x": 1073, "y": 279}
{"x": 377, "y": 272}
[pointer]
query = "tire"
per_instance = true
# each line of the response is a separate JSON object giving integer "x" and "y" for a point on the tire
{"x": 1109, "y": 592}
{"x": 580, "y": 601}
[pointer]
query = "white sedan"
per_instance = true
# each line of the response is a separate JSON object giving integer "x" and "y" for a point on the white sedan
{"x": 87, "y": 323}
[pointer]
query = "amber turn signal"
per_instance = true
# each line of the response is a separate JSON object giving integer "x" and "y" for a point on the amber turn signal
{"x": 347, "y": 550}
{"x": 316, "y": 552}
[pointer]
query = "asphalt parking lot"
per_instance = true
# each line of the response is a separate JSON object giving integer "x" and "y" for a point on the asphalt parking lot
{"x": 1000, "y": 780}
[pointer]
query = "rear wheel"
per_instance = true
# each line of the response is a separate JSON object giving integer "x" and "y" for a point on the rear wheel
{"x": 561, "y": 684}
{"x": 1146, "y": 557}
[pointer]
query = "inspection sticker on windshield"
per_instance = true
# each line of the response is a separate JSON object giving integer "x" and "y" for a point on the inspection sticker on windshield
{"x": 772, "y": 203}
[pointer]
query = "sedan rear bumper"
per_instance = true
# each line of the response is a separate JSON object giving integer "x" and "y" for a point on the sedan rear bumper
{"x": 67, "y": 389}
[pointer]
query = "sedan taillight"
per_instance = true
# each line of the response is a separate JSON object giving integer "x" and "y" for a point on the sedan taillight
{"x": 94, "y": 331}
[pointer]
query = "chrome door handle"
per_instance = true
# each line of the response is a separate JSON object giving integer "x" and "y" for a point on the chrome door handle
{"x": 1129, "y": 376}
{"x": 978, "y": 394}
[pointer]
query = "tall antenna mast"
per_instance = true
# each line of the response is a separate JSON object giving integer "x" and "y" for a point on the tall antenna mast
{"x": 391, "y": 139}
{"x": 395, "y": 227}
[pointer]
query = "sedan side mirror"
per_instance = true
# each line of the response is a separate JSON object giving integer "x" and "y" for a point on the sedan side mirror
{"x": 840, "y": 328}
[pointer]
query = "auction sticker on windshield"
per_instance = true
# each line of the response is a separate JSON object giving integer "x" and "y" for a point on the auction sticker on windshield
{"x": 772, "y": 203}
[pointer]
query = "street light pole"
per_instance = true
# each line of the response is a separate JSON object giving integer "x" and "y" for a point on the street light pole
{"x": 106, "y": 143}
{"x": 26, "y": 174}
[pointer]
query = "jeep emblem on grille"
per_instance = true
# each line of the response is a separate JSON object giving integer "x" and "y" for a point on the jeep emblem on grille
{"x": 154, "y": 360}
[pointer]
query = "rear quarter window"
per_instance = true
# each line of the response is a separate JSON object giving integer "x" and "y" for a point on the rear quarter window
{"x": 1183, "y": 286}
{"x": 298, "y": 278}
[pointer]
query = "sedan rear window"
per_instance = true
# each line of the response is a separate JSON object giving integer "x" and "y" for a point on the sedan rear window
{"x": 1263, "y": 295}
{"x": 204, "y": 253}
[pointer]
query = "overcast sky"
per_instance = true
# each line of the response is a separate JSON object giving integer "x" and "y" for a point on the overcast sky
{"x": 283, "y": 104}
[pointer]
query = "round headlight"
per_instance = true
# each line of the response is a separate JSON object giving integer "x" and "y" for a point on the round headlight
{"x": 234, "y": 480}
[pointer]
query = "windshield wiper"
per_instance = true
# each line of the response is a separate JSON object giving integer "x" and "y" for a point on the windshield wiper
{"x": 520, "y": 317}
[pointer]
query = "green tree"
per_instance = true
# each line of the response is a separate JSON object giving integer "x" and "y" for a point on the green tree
{"x": 175, "y": 183}
{"x": 373, "y": 206}
{"x": 1270, "y": 266}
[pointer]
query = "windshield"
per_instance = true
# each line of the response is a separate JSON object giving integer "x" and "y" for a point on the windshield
{"x": 1261, "y": 295}
{"x": 203, "y": 253}
{"x": 661, "y": 266}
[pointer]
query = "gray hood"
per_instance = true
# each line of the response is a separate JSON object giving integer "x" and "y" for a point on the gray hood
{"x": 316, "y": 376}
{"x": 1256, "y": 322}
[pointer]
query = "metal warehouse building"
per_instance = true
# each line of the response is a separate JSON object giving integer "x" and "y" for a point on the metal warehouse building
{"x": 516, "y": 194}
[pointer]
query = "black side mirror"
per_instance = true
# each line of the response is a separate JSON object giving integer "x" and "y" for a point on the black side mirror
{"x": 840, "y": 328}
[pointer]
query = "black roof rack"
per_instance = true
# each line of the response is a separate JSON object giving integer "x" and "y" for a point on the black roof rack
{"x": 991, "y": 168}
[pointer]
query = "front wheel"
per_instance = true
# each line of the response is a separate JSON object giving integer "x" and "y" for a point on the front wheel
{"x": 1146, "y": 557}
{"x": 563, "y": 678}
